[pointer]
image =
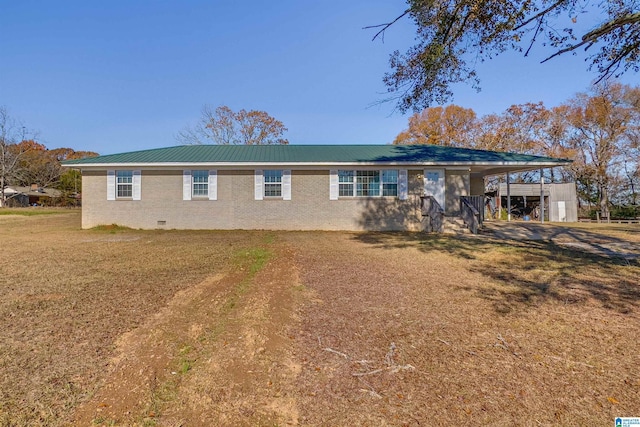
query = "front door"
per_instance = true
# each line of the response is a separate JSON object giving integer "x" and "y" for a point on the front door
{"x": 562, "y": 211}
{"x": 434, "y": 184}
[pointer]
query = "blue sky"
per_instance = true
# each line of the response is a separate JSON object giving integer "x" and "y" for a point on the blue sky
{"x": 129, "y": 75}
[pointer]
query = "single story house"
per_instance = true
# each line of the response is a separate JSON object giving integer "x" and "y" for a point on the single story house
{"x": 286, "y": 187}
{"x": 20, "y": 196}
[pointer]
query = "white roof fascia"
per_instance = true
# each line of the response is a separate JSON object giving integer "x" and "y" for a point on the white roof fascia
{"x": 300, "y": 165}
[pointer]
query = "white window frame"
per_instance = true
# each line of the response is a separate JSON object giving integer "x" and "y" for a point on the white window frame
{"x": 339, "y": 186}
{"x": 346, "y": 181}
{"x": 363, "y": 180}
{"x": 272, "y": 183}
{"x": 391, "y": 184}
{"x": 189, "y": 184}
{"x": 122, "y": 186}
{"x": 115, "y": 184}
{"x": 200, "y": 183}
{"x": 261, "y": 183}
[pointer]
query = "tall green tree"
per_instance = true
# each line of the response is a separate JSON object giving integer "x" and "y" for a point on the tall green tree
{"x": 454, "y": 35}
{"x": 226, "y": 127}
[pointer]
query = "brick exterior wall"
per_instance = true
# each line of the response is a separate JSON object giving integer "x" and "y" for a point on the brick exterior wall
{"x": 456, "y": 184}
{"x": 161, "y": 204}
{"x": 477, "y": 187}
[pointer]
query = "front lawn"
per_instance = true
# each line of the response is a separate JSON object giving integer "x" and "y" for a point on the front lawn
{"x": 113, "y": 326}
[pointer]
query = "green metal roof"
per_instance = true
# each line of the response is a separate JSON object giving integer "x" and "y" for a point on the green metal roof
{"x": 312, "y": 154}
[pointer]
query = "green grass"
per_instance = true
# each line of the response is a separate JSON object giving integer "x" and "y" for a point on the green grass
{"x": 111, "y": 228}
{"x": 186, "y": 363}
{"x": 33, "y": 211}
{"x": 101, "y": 421}
{"x": 161, "y": 393}
{"x": 254, "y": 260}
{"x": 258, "y": 258}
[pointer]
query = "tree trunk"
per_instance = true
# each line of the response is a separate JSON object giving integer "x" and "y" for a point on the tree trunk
{"x": 2, "y": 191}
{"x": 604, "y": 202}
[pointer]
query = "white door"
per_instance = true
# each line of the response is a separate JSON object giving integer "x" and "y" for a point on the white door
{"x": 562, "y": 211}
{"x": 434, "y": 184}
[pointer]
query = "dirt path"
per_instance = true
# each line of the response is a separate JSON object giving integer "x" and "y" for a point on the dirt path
{"x": 219, "y": 352}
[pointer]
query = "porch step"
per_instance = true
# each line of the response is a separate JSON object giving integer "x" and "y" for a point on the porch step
{"x": 454, "y": 225}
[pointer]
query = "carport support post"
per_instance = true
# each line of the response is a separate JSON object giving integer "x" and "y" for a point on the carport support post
{"x": 541, "y": 196}
{"x": 508, "y": 198}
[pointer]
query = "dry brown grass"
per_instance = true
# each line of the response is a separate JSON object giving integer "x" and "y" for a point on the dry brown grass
{"x": 254, "y": 328}
{"x": 630, "y": 232}
{"x": 69, "y": 294}
{"x": 499, "y": 332}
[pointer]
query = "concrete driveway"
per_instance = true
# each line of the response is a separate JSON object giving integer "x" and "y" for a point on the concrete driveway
{"x": 569, "y": 237}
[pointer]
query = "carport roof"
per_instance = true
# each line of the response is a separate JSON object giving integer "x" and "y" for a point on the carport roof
{"x": 316, "y": 155}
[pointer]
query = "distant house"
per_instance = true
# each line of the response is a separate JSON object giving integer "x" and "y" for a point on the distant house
{"x": 286, "y": 187}
{"x": 29, "y": 196}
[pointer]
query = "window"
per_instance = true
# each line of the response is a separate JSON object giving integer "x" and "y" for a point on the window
{"x": 124, "y": 184}
{"x": 390, "y": 182}
{"x": 345, "y": 182}
{"x": 367, "y": 183}
{"x": 273, "y": 183}
{"x": 200, "y": 183}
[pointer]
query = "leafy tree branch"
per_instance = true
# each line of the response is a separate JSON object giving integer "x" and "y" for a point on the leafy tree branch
{"x": 450, "y": 33}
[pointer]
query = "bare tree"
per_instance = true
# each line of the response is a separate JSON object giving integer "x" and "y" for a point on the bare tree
{"x": 225, "y": 127}
{"x": 11, "y": 152}
{"x": 603, "y": 125}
